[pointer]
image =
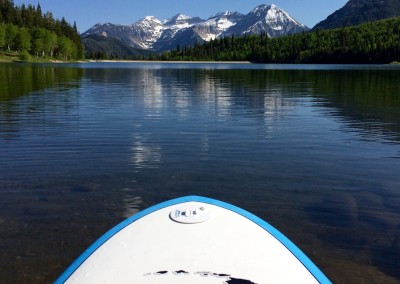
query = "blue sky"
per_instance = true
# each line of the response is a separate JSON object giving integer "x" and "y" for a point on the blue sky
{"x": 87, "y": 13}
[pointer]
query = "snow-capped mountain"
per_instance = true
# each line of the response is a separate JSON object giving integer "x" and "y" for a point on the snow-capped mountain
{"x": 181, "y": 21}
{"x": 216, "y": 25}
{"x": 269, "y": 19}
{"x": 153, "y": 34}
{"x": 144, "y": 32}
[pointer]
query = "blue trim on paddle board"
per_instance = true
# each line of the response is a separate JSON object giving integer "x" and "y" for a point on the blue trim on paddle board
{"x": 314, "y": 270}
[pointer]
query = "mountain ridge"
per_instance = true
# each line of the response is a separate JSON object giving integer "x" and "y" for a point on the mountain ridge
{"x": 356, "y": 12}
{"x": 152, "y": 34}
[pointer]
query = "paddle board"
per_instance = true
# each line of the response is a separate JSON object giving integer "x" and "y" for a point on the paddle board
{"x": 193, "y": 239}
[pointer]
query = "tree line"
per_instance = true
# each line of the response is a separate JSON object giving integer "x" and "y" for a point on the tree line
{"x": 374, "y": 42}
{"x": 25, "y": 29}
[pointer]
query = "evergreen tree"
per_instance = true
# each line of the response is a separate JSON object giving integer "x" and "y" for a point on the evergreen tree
{"x": 7, "y": 11}
{"x": 48, "y": 21}
{"x": 38, "y": 20}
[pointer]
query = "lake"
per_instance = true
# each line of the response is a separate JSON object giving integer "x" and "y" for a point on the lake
{"x": 312, "y": 149}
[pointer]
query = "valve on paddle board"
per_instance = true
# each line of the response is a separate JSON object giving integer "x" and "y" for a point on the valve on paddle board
{"x": 190, "y": 214}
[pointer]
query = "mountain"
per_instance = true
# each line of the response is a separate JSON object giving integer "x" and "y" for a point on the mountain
{"x": 270, "y": 20}
{"x": 152, "y": 34}
{"x": 360, "y": 11}
{"x": 141, "y": 34}
{"x": 101, "y": 47}
{"x": 216, "y": 25}
{"x": 170, "y": 39}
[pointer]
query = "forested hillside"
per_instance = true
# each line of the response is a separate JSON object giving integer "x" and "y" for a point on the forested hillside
{"x": 100, "y": 47}
{"x": 356, "y": 12}
{"x": 26, "y": 29}
{"x": 374, "y": 42}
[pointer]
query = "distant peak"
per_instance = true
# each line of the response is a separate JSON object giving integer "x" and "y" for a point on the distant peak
{"x": 263, "y": 6}
{"x": 179, "y": 20}
{"x": 267, "y": 9}
{"x": 220, "y": 14}
{"x": 183, "y": 17}
{"x": 260, "y": 8}
{"x": 100, "y": 25}
{"x": 180, "y": 17}
{"x": 150, "y": 19}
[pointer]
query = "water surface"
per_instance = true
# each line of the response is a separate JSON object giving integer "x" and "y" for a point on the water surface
{"x": 312, "y": 149}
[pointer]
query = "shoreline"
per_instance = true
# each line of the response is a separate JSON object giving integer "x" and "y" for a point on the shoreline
{"x": 7, "y": 59}
{"x": 161, "y": 61}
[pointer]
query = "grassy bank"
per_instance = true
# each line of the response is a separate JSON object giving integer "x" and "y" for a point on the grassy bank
{"x": 25, "y": 57}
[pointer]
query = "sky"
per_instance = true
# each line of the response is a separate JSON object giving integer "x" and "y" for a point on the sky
{"x": 87, "y": 13}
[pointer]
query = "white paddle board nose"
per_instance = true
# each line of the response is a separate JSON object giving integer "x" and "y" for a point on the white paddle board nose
{"x": 190, "y": 214}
